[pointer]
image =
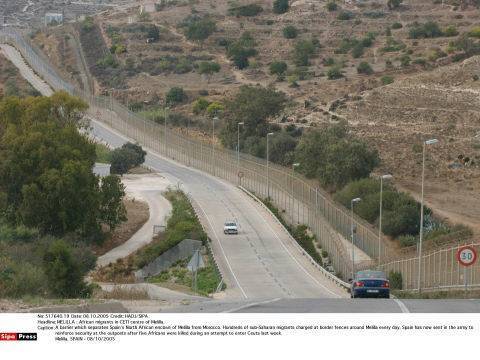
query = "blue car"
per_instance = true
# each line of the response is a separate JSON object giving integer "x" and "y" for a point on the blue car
{"x": 370, "y": 283}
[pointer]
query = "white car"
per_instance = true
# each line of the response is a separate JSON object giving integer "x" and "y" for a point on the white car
{"x": 230, "y": 227}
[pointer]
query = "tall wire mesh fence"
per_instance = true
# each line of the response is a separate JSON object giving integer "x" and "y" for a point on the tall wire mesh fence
{"x": 298, "y": 200}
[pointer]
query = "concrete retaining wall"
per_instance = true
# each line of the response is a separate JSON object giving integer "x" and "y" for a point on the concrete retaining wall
{"x": 183, "y": 250}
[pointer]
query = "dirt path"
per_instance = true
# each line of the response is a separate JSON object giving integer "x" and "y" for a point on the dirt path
{"x": 147, "y": 188}
{"x": 16, "y": 58}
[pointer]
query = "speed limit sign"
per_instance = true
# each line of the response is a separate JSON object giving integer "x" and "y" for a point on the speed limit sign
{"x": 466, "y": 255}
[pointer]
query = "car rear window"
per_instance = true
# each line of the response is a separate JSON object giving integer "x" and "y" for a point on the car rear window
{"x": 230, "y": 224}
{"x": 371, "y": 275}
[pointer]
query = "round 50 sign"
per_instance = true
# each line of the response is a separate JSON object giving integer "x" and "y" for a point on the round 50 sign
{"x": 466, "y": 255}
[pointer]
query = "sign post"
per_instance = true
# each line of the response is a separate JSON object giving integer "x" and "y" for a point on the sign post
{"x": 466, "y": 256}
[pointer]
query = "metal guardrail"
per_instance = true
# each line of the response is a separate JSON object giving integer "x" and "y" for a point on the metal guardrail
{"x": 326, "y": 273}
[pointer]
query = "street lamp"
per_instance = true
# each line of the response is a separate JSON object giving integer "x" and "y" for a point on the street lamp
{"x": 352, "y": 228}
{"x": 425, "y": 143}
{"x": 238, "y": 148}
{"x": 383, "y": 177}
{"x": 294, "y": 165}
{"x": 215, "y": 118}
{"x": 165, "y": 130}
{"x": 268, "y": 182}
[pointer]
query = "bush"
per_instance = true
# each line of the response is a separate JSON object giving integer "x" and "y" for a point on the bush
{"x": 302, "y": 52}
{"x": 334, "y": 73}
{"x": 125, "y": 158}
{"x": 200, "y": 105}
{"x": 345, "y": 15}
{"x": 331, "y": 6}
{"x": 364, "y": 68}
{"x": 387, "y": 79}
{"x": 280, "y": 6}
{"x": 290, "y": 32}
{"x": 405, "y": 219}
{"x": 175, "y": 95}
{"x": 396, "y": 280}
{"x": 407, "y": 240}
{"x": 63, "y": 273}
{"x": 397, "y": 25}
{"x": 153, "y": 33}
{"x": 199, "y": 29}
{"x": 245, "y": 10}
{"x": 214, "y": 109}
{"x": 278, "y": 68}
{"x": 241, "y": 50}
{"x": 451, "y": 30}
{"x": 428, "y": 30}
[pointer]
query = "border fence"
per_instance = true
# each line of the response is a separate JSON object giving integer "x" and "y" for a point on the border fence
{"x": 297, "y": 199}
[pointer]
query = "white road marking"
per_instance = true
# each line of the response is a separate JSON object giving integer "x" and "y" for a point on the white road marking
{"x": 223, "y": 251}
{"x": 402, "y": 306}
{"x": 251, "y": 305}
{"x": 295, "y": 259}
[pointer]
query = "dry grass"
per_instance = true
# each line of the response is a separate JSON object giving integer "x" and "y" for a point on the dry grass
{"x": 124, "y": 293}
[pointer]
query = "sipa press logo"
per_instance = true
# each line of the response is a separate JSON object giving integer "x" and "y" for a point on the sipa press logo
{"x": 18, "y": 336}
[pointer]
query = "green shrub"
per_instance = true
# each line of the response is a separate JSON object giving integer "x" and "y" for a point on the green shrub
{"x": 428, "y": 30}
{"x": 278, "y": 68}
{"x": 280, "y": 6}
{"x": 175, "y": 95}
{"x": 199, "y": 29}
{"x": 345, "y": 15}
{"x": 64, "y": 276}
{"x": 332, "y": 6}
{"x": 241, "y": 50}
{"x": 290, "y": 32}
{"x": 451, "y": 30}
{"x": 364, "y": 68}
{"x": 245, "y": 10}
{"x": 396, "y": 280}
{"x": 475, "y": 32}
{"x": 302, "y": 52}
{"x": 397, "y": 25}
{"x": 334, "y": 73}
{"x": 200, "y": 105}
{"x": 387, "y": 79}
{"x": 407, "y": 240}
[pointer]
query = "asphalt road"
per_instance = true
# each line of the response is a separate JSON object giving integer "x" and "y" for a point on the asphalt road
{"x": 330, "y": 306}
{"x": 261, "y": 262}
{"x": 148, "y": 188}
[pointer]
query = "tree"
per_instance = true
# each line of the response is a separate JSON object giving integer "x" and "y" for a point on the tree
{"x": 214, "y": 109}
{"x": 364, "y": 68}
{"x": 394, "y": 4}
{"x": 112, "y": 210}
{"x": 252, "y": 105}
{"x": 64, "y": 276}
{"x": 208, "y": 68}
{"x": 280, "y": 6}
{"x": 278, "y": 68}
{"x": 335, "y": 157}
{"x": 175, "y": 95}
{"x": 126, "y": 157}
{"x": 290, "y": 32}
{"x": 239, "y": 51}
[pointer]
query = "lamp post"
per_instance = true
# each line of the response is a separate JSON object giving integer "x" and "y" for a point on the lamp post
{"x": 383, "y": 177}
{"x": 353, "y": 230}
{"x": 215, "y": 118}
{"x": 238, "y": 148}
{"x": 268, "y": 180}
{"x": 420, "y": 242}
{"x": 294, "y": 165}
{"x": 165, "y": 128}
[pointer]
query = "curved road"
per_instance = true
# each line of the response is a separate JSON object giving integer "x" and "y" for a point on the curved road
{"x": 259, "y": 263}
{"x": 262, "y": 262}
